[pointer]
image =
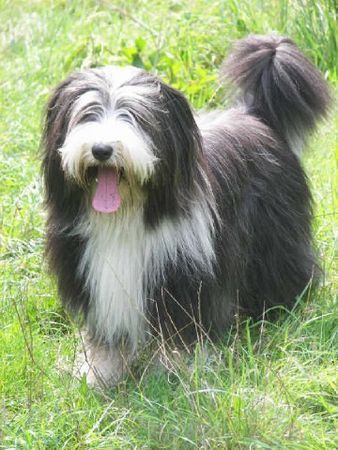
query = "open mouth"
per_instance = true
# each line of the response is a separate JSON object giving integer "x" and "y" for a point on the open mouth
{"x": 107, "y": 198}
{"x": 91, "y": 174}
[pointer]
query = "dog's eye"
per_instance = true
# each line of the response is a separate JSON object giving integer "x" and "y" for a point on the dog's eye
{"x": 92, "y": 112}
{"x": 126, "y": 117}
{"x": 89, "y": 117}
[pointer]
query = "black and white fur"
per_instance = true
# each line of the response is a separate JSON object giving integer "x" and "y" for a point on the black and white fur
{"x": 215, "y": 213}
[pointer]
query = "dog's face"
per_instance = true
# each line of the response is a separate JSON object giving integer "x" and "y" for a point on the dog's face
{"x": 105, "y": 124}
{"x": 113, "y": 131}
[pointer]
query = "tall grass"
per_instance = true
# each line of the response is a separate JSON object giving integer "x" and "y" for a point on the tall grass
{"x": 269, "y": 385}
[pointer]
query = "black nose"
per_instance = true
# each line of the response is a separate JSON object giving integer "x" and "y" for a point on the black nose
{"x": 102, "y": 152}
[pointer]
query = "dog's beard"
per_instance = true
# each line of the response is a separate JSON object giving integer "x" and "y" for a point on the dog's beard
{"x": 132, "y": 162}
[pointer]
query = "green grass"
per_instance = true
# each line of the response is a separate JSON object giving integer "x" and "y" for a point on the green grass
{"x": 269, "y": 386}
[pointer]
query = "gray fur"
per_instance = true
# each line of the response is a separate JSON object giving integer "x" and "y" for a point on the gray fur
{"x": 279, "y": 85}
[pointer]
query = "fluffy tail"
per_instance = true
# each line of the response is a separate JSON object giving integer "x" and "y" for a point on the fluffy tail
{"x": 279, "y": 85}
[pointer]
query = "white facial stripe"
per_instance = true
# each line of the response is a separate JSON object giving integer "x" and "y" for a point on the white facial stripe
{"x": 118, "y": 75}
{"x": 142, "y": 97}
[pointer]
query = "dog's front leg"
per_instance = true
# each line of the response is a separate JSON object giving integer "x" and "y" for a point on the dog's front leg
{"x": 103, "y": 365}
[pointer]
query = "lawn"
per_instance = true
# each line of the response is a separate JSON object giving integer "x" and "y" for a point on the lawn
{"x": 268, "y": 385}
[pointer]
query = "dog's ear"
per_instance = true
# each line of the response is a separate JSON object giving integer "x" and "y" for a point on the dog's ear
{"x": 178, "y": 147}
{"x": 59, "y": 195}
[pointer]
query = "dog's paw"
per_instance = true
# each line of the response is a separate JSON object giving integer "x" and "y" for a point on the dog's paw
{"x": 101, "y": 367}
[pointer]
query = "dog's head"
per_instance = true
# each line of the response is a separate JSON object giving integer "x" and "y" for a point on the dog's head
{"x": 113, "y": 135}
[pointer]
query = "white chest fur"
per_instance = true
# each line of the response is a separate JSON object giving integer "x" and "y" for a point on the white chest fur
{"x": 122, "y": 261}
{"x": 113, "y": 263}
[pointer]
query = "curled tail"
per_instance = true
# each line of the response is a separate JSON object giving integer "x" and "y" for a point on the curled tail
{"x": 279, "y": 85}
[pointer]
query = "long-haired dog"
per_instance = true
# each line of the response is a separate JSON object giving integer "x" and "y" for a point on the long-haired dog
{"x": 165, "y": 222}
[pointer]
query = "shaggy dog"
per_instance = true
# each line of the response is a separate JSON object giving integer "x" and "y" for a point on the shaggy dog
{"x": 166, "y": 222}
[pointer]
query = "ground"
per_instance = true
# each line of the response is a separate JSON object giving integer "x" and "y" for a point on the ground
{"x": 268, "y": 385}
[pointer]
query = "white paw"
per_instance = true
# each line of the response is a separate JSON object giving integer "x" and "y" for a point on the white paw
{"x": 101, "y": 366}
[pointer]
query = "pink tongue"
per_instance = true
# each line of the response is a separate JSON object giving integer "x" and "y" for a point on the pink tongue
{"x": 107, "y": 197}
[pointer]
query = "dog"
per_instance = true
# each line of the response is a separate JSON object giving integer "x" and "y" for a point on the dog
{"x": 165, "y": 222}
